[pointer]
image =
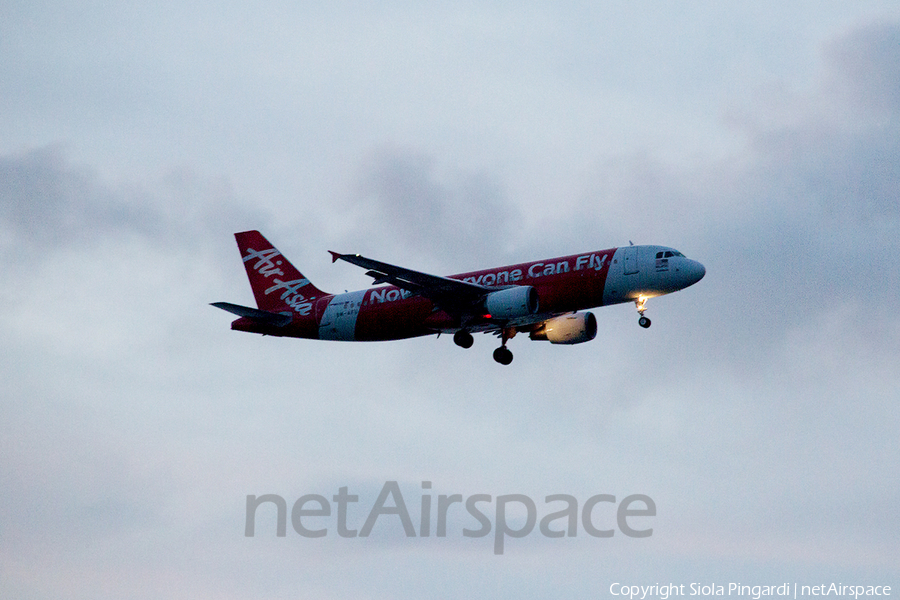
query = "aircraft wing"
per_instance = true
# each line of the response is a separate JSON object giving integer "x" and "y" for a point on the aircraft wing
{"x": 450, "y": 294}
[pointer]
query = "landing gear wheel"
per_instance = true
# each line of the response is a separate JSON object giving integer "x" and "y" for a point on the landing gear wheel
{"x": 502, "y": 355}
{"x": 639, "y": 304}
{"x": 463, "y": 339}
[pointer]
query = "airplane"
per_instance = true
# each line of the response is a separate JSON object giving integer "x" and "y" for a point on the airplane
{"x": 545, "y": 299}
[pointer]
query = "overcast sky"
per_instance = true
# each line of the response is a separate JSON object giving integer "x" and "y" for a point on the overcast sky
{"x": 759, "y": 412}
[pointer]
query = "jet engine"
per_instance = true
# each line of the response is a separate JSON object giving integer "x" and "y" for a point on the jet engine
{"x": 568, "y": 329}
{"x": 518, "y": 301}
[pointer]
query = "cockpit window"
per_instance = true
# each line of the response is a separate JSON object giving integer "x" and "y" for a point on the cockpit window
{"x": 669, "y": 254}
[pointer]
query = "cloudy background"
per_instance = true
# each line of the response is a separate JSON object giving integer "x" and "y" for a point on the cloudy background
{"x": 760, "y": 411}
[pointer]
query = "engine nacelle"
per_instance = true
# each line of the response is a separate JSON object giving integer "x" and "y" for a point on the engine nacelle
{"x": 519, "y": 301}
{"x": 568, "y": 329}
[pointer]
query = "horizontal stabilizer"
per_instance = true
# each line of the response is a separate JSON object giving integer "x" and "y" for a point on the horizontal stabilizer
{"x": 261, "y": 316}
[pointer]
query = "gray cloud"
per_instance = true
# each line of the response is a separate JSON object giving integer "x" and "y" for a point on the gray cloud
{"x": 840, "y": 155}
{"x": 50, "y": 204}
{"x": 865, "y": 67}
{"x": 47, "y": 202}
{"x": 404, "y": 205}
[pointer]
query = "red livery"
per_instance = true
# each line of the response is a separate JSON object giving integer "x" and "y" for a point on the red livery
{"x": 544, "y": 298}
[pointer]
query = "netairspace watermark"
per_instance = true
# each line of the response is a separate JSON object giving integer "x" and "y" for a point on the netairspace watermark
{"x": 313, "y": 516}
{"x": 756, "y": 592}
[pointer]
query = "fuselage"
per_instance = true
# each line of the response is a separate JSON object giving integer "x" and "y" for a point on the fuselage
{"x": 565, "y": 284}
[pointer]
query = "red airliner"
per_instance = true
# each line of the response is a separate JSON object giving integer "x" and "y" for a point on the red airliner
{"x": 544, "y": 298}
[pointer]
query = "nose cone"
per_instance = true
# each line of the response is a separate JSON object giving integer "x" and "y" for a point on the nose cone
{"x": 695, "y": 272}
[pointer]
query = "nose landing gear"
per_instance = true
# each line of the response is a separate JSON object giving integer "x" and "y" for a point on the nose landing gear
{"x": 639, "y": 304}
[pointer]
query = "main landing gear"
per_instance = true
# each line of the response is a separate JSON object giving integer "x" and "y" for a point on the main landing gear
{"x": 502, "y": 355}
{"x": 463, "y": 339}
{"x": 639, "y": 304}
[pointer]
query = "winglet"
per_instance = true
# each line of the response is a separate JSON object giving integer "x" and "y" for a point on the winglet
{"x": 334, "y": 256}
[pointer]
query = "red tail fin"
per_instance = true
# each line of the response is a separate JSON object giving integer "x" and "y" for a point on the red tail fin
{"x": 277, "y": 285}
